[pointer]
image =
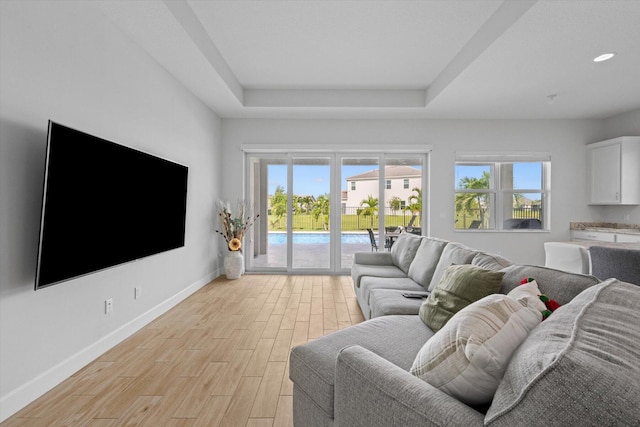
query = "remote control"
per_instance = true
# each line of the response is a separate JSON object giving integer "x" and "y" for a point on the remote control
{"x": 417, "y": 296}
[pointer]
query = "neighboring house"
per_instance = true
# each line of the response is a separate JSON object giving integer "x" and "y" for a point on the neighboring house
{"x": 399, "y": 181}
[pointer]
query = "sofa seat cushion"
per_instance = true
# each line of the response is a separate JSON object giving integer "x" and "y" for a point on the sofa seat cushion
{"x": 453, "y": 253}
{"x": 369, "y": 283}
{"x": 426, "y": 260}
{"x": 404, "y": 250}
{"x": 560, "y": 285}
{"x": 395, "y": 338}
{"x": 385, "y": 302}
{"x": 579, "y": 367}
{"x": 469, "y": 355}
{"x": 358, "y": 271}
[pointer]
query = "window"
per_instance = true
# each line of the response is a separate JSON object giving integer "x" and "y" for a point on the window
{"x": 310, "y": 219}
{"x": 502, "y": 192}
{"x": 406, "y": 183}
{"x": 388, "y": 184}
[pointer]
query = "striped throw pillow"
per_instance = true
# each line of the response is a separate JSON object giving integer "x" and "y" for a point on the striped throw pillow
{"x": 469, "y": 355}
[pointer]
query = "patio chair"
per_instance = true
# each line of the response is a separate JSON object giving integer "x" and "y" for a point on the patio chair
{"x": 522, "y": 223}
{"x": 414, "y": 230}
{"x": 374, "y": 244}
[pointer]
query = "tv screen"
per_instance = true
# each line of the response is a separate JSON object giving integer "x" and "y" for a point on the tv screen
{"x": 105, "y": 204}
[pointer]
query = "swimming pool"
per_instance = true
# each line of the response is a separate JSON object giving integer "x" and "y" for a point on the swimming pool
{"x": 317, "y": 238}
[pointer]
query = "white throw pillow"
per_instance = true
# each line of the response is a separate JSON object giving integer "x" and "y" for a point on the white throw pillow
{"x": 528, "y": 294}
{"x": 469, "y": 355}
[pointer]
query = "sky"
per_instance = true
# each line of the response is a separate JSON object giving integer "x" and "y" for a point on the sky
{"x": 525, "y": 176}
{"x": 315, "y": 180}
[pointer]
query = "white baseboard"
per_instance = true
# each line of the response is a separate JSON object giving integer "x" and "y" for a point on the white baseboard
{"x": 17, "y": 399}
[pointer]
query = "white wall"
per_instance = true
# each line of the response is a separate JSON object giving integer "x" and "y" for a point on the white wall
{"x": 566, "y": 141}
{"x": 627, "y": 124}
{"x": 65, "y": 61}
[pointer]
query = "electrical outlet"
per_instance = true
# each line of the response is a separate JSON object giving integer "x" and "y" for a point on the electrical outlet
{"x": 136, "y": 292}
{"x": 108, "y": 306}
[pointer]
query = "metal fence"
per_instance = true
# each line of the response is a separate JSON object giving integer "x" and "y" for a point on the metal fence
{"x": 472, "y": 219}
{"x": 351, "y": 221}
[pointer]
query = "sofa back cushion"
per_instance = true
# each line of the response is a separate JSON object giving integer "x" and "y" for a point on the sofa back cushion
{"x": 579, "y": 366}
{"x": 560, "y": 285}
{"x": 404, "y": 250}
{"x": 424, "y": 263}
{"x": 490, "y": 261}
{"x": 453, "y": 253}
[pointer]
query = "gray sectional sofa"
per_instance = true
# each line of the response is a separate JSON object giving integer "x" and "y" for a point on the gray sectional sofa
{"x": 581, "y": 366}
{"x": 416, "y": 265}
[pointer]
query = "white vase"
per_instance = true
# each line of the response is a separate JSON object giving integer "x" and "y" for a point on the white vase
{"x": 233, "y": 264}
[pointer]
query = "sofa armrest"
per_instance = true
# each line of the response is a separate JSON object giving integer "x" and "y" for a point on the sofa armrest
{"x": 373, "y": 258}
{"x": 371, "y": 391}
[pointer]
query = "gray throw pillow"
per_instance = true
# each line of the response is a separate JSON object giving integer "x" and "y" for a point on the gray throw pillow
{"x": 460, "y": 286}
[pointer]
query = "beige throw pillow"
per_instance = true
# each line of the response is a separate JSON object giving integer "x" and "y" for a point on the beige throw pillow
{"x": 467, "y": 358}
{"x": 460, "y": 286}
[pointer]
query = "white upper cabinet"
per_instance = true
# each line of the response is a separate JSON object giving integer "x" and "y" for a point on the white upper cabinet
{"x": 614, "y": 171}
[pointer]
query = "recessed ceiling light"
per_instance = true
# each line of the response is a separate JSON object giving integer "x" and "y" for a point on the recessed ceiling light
{"x": 604, "y": 57}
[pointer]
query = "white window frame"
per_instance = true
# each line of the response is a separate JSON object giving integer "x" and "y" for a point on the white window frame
{"x": 499, "y": 195}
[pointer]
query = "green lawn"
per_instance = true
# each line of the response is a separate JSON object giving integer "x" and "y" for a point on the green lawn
{"x": 307, "y": 222}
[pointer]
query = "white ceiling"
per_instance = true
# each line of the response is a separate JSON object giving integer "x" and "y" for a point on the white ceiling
{"x": 458, "y": 59}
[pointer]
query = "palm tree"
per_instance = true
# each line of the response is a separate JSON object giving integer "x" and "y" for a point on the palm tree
{"x": 279, "y": 203}
{"x": 321, "y": 209}
{"x": 369, "y": 207}
{"x": 415, "y": 201}
{"x": 297, "y": 205}
{"x": 474, "y": 202}
{"x": 304, "y": 204}
{"x": 415, "y": 204}
{"x": 395, "y": 203}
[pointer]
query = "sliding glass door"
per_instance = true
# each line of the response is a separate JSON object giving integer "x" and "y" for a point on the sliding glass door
{"x": 318, "y": 209}
{"x": 360, "y": 207}
{"x": 268, "y": 239}
{"x": 310, "y": 213}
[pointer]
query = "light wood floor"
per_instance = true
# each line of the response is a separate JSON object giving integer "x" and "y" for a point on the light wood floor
{"x": 219, "y": 358}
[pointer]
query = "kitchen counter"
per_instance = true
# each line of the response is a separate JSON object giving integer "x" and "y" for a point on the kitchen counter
{"x": 613, "y": 230}
{"x": 605, "y": 233}
{"x": 606, "y": 227}
{"x": 588, "y": 243}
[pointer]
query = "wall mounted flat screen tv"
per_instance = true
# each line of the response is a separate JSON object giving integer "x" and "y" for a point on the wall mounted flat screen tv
{"x": 105, "y": 204}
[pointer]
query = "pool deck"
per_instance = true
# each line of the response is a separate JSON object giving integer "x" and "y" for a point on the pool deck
{"x": 305, "y": 256}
